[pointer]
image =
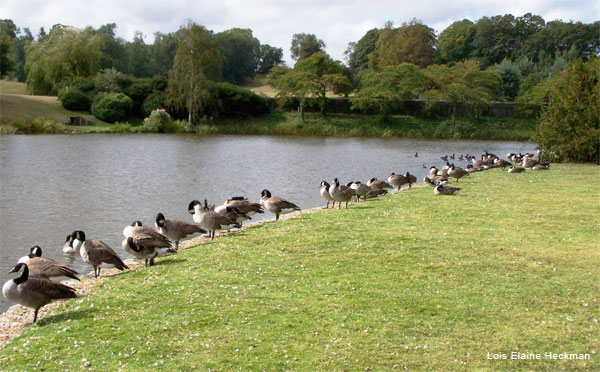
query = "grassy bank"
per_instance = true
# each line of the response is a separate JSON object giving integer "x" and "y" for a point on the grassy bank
{"x": 412, "y": 281}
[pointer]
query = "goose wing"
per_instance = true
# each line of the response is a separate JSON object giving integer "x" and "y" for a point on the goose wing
{"x": 99, "y": 251}
{"x": 44, "y": 290}
{"x": 281, "y": 203}
{"x": 186, "y": 228}
{"x": 47, "y": 268}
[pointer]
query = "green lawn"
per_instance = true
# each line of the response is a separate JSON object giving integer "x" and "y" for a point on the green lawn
{"x": 411, "y": 281}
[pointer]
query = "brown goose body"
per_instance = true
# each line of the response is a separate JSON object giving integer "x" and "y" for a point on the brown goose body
{"x": 411, "y": 179}
{"x": 457, "y": 172}
{"x": 244, "y": 205}
{"x": 374, "y": 183}
{"x": 340, "y": 194}
{"x": 176, "y": 229}
{"x": 360, "y": 189}
{"x": 210, "y": 220}
{"x": 445, "y": 190}
{"x": 96, "y": 253}
{"x": 276, "y": 204}
{"x": 45, "y": 267}
{"x": 397, "y": 180}
{"x": 516, "y": 170}
{"x": 34, "y": 292}
{"x": 324, "y": 191}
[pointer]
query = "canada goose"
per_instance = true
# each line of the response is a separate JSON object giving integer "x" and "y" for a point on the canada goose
{"x": 472, "y": 169}
{"x": 435, "y": 180}
{"x": 433, "y": 170}
{"x": 529, "y": 162}
{"x": 476, "y": 162}
{"x": 501, "y": 163}
{"x": 34, "y": 292}
{"x": 341, "y": 193}
{"x": 445, "y": 190}
{"x": 277, "y": 205}
{"x": 416, "y": 155}
{"x": 96, "y": 253}
{"x": 541, "y": 166}
{"x": 397, "y": 180}
{"x": 452, "y": 157}
{"x": 516, "y": 170}
{"x": 68, "y": 247}
{"x": 232, "y": 212}
{"x": 442, "y": 172}
{"x": 45, "y": 267}
{"x": 175, "y": 229}
{"x": 210, "y": 220}
{"x": 146, "y": 247}
{"x": 374, "y": 183}
{"x": 411, "y": 179}
{"x": 360, "y": 189}
{"x": 324, "y": 190}
{"x": 375, "y": 193}
{"x": 444, "y": 158}
{"x": 457, "y": 172}
{"x": 424, "y": 166}
{"x": 244, "y": 205}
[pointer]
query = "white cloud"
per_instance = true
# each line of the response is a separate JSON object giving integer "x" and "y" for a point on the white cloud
{"x": 273, "y": 22}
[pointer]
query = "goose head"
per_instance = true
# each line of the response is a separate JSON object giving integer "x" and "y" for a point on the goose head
{"x": 193, "y": 205}
{"x": 160, "y": 220}
{"x": 265, "y": 193}
{"x": 35, "y": 251}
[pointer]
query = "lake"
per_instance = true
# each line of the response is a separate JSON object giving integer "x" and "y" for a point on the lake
{"x": 51, "y": 185}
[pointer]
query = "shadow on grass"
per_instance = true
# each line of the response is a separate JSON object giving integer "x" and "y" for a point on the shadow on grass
{"x": 69, "y": 315}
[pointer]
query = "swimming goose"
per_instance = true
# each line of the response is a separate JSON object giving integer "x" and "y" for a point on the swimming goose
{"x": 374, "y": 183}
{"x": 457, "y": 172}
{"x": 277, "y": 205}
{"x": 324, "y": 190}
{"x": 416, "y": 155}
{"x": 68, "y": 247}
{"x": 45, "y": 267}
{"x": 176, "y": 229}
{"x": 341, "y": 193}
{"x": 397, "y": 180}
{"x": 34, "y": 292}
{"x": 445, "y": 190}
{"x": 210, "y": 220}
{"x": 96, "y": 253}
{"x": 244, "y": 205}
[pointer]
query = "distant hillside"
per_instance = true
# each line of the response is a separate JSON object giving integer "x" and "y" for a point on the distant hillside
{"x": 15, "y": 104}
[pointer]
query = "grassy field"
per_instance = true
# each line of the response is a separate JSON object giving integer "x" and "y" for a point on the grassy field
{"x": 412, "y": 281}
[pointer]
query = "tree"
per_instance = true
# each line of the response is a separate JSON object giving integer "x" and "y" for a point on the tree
{"x": 462, "y": 83}
{"x": 570, "y": 127}
{"x": 240, "y": 51}
{"x": 413, "y": 42}
{"x": 18, "y": 54}
{"x": 163, "y": 52}
{"x": 455, "y": 43}
{"x": 268, "y": 57}
{"x": 511, "y": 79}
{"x": 357, "y": 53}
{"x": 138, "y": 55}
{"x": 114, "y": 53}
{"x": 63, "y": 54}
{"x": 313, "y": 76}
{"x": 385, "y": 90}
{"x": 197, "y": 62}
{"x": 6, "y": 64}
{"x": 305, "y": 45}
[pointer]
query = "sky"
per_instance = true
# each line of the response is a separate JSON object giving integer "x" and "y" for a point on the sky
{"x": 274, "y": 22}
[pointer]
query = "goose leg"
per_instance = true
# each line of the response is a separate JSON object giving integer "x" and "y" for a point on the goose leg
{"x": 35, "y": 314}
{"x": 152, "y": 261}
{"x": 276, "y": 216}
{"x": 145, "y": 262}
{"x": 176, "y": 245}
{"x": 346, "y": 204}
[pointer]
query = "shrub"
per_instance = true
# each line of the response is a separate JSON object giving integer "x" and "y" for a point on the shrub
{"x": 38, "y": 125}
{"x": 111, "y": 107}
{"x": 234, "y": 101}
{"x": 122, "y": 128}
{"x": 156, "y": 100}
{"x": 159, "y": 121}
{"x": 74, "y": 99}
{"x": 570, "y": 127}
{"x": 138, "y": 91}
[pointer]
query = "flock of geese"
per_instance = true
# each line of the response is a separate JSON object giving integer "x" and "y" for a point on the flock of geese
{"x": 40, "y": 279}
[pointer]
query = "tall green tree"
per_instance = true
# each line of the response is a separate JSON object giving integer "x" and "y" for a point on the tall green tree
{"x": 268, "y": 57}
{"x": 163, "y": 52}
{"x": 114, "y": 52}
{"x": 65, "y": 53}
{"x": 138, "y": 55}
{"x": 240, "y": 51}
{"x": 570, "y": 127}
{"x": 358, "y": 52}
{"x": 413, "y": 42}
{"x": 197, "y": 65}
{"x": 8, "y": 32}
{"x": 455, "y": 43}
{"x": 312, "y": 76}
{"x": 305, "y": 45}
{"x": 384, "y": 91}
{"x": 463, "y": 82}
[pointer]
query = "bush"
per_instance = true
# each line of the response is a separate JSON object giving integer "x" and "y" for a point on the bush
{"x": 156, "y": 100}
{"x": 38, "y": 125}
{"x": 74, "y": 99}
{"x": 111, "y": 107}
{"x": 570, "y": 127}
{"x": 234, "y": 101}
{"x": 122, "y": 128}
{"x": 158, "y": 122}
{"x": 138, "y": 91}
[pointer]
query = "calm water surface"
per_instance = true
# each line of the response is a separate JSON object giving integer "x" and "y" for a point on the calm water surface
{"x": 52, "y": 185}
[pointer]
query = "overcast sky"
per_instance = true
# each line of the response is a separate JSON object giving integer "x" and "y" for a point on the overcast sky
{"x": 273, "y": 22}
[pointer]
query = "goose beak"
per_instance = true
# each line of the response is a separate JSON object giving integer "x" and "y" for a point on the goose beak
{"x": 13, "y": 270}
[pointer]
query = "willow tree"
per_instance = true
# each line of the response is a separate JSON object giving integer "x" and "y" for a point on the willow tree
{"x": 196, "y": 66}
{"x": 65, "y": 53}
